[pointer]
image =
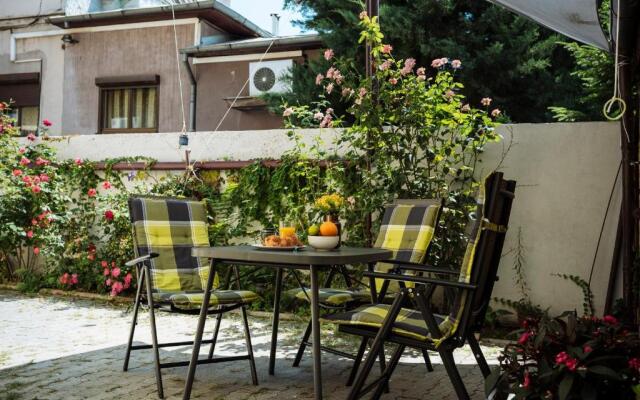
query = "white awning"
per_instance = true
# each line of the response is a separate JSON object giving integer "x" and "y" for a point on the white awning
{"x": 577, "y": 19}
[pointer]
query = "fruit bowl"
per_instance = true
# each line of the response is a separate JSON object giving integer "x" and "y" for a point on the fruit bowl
{"x": 324, "y": 242}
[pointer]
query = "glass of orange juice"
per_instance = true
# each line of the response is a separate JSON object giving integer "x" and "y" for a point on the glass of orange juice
{"x": 287, "y": 229}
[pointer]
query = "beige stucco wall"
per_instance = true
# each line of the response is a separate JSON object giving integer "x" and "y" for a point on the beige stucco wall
{"x": 565, "y": 173}
{"x": 121, "y": 53}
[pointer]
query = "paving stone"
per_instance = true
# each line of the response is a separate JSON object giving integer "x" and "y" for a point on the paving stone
{"x": 55, "y": 348}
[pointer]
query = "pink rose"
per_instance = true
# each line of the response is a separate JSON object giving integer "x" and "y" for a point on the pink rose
{"x": 449, "y": 94}
{"x": 610, "y": 320}
{"x": 44, "y": 178}
{"x": 74, "y": 279}
{"x": 108, "y": 215}
{"x": 465, "y": 108}
{"x": 127, "y": 278}
{"x": 329, "y": 88}
{"x": 486, "y": 101}
{"x": 42, "y": 161}
{"x": 106, "y": 185}
{"x": 456, "y": 64}
{"x": 104, "y": 264}
{"x": 106, "y": 272}
{"x": 387, "y": 48}
{"x": 287, "y": 112}
{"x": 31, "y": 137}
{"x": 115, "y": 272}
{"x": 409, "y": 63}
{"x": 437, "y": 63}
{"x": 362, "y": 15}
{"x": 587, "y": 349}
{"x": 319, "y": 79}
{"x": 496, "y": 113}
{"x": 318, "y": 116}
{"x": 108, "y": 282}
{"x": 36, "y": 189}
{"x": 347, "y": 92}
{"x": 562, "y": 357}
{"x": 571, "y": 364}
{"x": 524, "y": 338}
{"x": 36, "y": 250}
{"x": 385, "y": 65}
{"x": 46, "y": 122}
{"x": 327, "y": 121}
{"x": 22, "y": 150}
{"x": 25, "y": 161}
{"x": 116, "y": 288}
{"x": 17, "y": 172}
{"x": 64, "y": 278}
{"x": 393, "y": 81}
{"x": 92, "y": 192}
{"x": 78, "y": 161}
{"x": 29, "y": 234}
{"x": 330, "y": 72}
{"x": 328, "y": 54}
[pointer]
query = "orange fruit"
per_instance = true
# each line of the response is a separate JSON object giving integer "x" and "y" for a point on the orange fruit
{"x": 328, "y": 228}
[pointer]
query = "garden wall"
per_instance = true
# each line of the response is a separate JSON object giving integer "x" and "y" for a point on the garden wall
{"x": 565, "y": 174}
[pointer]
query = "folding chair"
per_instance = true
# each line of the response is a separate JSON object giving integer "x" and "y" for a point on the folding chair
{"x": 407, "y": 229}
{"x": 170, "y": 279}
{"x": 419, "y": 327}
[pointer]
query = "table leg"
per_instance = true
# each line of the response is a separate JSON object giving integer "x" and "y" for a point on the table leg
{"x": 275, "y": 321}
{"x": 197, "y": 341}
{"x": 315, "y": 331}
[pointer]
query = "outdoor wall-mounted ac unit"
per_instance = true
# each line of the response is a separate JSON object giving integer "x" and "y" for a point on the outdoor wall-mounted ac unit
{"x": 266, "y": 77}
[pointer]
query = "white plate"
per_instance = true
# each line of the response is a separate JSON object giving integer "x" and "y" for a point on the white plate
{"x": 288, "y": 248}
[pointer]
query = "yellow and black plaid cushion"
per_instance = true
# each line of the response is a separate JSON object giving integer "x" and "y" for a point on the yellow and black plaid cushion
{"x": 406, "y": 230}
{"x": 193, "y": 300}
{"x": 408, "y": 323}
{"x": 171, "y": 228}
{"x": 334, "y": 297}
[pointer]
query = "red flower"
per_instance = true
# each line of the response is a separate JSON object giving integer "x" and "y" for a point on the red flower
{"x": 29, "y": 234}
{"x": 587, "y": 349}
{"x": 571, "y": 364}
{"x": 562, "y": 357}
{"x": 36, "y": 189}
{"x": 34, "y": 222}
{"x": 64, "y": 278}
{"x": 106, "y": 185}
{"x": 17, "y": 172}
{"x": 46, "y": 122}
{"x": 108, "y": 215}
{"x": 25, "y": 161}
{"x": 31, "y": 137}
{"x": 106, "y": 272}
{"x": 92, "y": 192}
{"x": 78, "y": 161}
{"x": 44, "y": 178}
{"x": 115, "y": 272}
{"x": 634, "y": 363}
{"x": 22, "y": 150}
{"x": 527, "y": 380}
{"x": 104, "y": 264}
{"x": 74, "y": 279}
{"x": 524, "y": 337}
{"x": 610, "y": 320}
{"x": 36, "y": 250}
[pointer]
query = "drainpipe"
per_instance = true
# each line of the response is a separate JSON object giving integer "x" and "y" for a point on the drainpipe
{"x": 194, "y": 93}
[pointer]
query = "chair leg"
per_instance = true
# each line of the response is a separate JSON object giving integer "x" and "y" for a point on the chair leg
{"x": 454, "y": 375}
{"x": 154, "y": 340}
{"x": 383, "y": 386}
{"x": 477, "y": 352}
{"x": 303, "y": 345}
{"x": 215, "y": 335}
{"x": 427, "y": 360}
{"x": 357, "y": 361}
{"x": 134, "y": 321}
{"x": 247, "y": 334}
{"x": 383, "y": 365}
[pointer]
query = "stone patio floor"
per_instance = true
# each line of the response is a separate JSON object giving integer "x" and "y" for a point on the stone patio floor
{"x": 54, "y": 348}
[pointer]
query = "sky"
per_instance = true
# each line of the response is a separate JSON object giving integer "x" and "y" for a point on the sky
{"x": 258, "y": 12}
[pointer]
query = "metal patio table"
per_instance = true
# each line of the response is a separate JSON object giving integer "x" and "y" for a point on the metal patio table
{"x": 306, "y": 259}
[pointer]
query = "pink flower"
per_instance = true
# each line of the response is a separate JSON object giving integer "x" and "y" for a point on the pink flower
{"x": 22, "y": 150}
{"x": 465, "y": 108}
{"x": 387, "y": 48}
{"x": 36, "y": 180}
{"x": 318, "y": 116}
{"x": 106, "y": 185}
{"x": 571, "y": 364}
{"x": 486, "y": 101}
{"x": 287, "y": 112}
{"x": 327, "y": 121}
{"x": 449, "y": 94}
{"x": 437, "y": 63}
{"x": 421, "y": 71}
{"x": 78, "y": 161}
{"x": 524, "y": 338}
{"x": 562, "y": 357}
{"x": 74, "y": 279}
{"x": 409, "y": 63}
{"x": 46, "y": 122}
{"x": 64, "y": 278}
{"x": 36, "y": 189}
{"x": 108, "y": 282}
{"x": 362, "y": 15}
{"x": 347, "y": 92}
{"x": 44, "y": 177}
{"x": 362, "y": 92}
{"x": 587, "y": 349}
{"x": 116, "y": 288}
{"x": 456, "y": 64}
{"x": 42, "y": 161}
{"x": 113, "y": 264}
{"x": 329, "y": 88}
{"x": 92, "y": 192}
{"x": 496, "y": 113}
{"x": 17, "y": 172}
{"x": 328, "y": 54}
{"x": 385, "y": 65}
{"x": 351, "y": 200}
{"x": 330, "y": 72}
{"x": 610, "y": 320}
{"x": 108, "y": 215}
{"x": 26, "y": 179}
{"x": 29, "y": 234}
{"x": 34, "y": 222}
{"x": 104, "y": 264}
{"x": 319, "y": 79}
{"x": 127, "y": 278}
{"x": 25, "y": 161}
{"x": 393, "y": 81}
{"x": 106, "y": 272}
{"x": 31, "y": 137}
{"x": 115, "y": 272}
{"x": 36, "y": 250}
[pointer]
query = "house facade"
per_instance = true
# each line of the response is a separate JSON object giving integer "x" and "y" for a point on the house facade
{"x": 112, "y": 67}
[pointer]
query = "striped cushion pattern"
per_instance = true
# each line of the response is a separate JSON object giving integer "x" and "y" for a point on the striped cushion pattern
{"x": 409, "y": 322}
{"x": 193, "y": 300}
{"x": 171, "y": 228}
{"x": 406, "y": 230}
{"x": 334, "y": 297}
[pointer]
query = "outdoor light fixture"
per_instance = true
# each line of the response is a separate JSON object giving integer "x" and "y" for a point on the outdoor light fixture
{"x": 68, "y": 40}
{"x": 184, "y": 140}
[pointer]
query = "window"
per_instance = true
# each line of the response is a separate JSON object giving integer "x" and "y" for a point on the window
{"x": 22, "y": 93}
{"x": 128, "y": 104}
{"x": 26, "y": 118}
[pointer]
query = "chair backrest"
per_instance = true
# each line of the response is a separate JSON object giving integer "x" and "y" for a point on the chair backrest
{"x": 482, "y": 257}
{"x": 407, "y": 228}
{"x": 171, "y": 228}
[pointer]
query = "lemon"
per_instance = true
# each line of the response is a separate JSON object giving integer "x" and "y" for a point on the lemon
{"x": 313, "y": 230}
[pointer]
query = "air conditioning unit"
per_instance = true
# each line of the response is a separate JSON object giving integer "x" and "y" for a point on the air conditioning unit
{"x": 266, "y": 77}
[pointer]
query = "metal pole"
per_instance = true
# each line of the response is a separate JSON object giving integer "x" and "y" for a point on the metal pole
{"x": 373, "y": 10}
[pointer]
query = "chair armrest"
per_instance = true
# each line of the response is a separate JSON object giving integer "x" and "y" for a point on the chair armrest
{"x": 421, "y": 267}
{"x": 419, "y": 279}
{"x": 140, "y": 260}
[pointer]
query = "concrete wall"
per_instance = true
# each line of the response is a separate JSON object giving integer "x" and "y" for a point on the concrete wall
{"x": 21, "y": 9}
{"x": 121, "y": 53}
{"x": 565, "y": 173}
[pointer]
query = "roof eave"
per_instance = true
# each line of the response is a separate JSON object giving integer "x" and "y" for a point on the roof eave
{"x": 303, "y": 42}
